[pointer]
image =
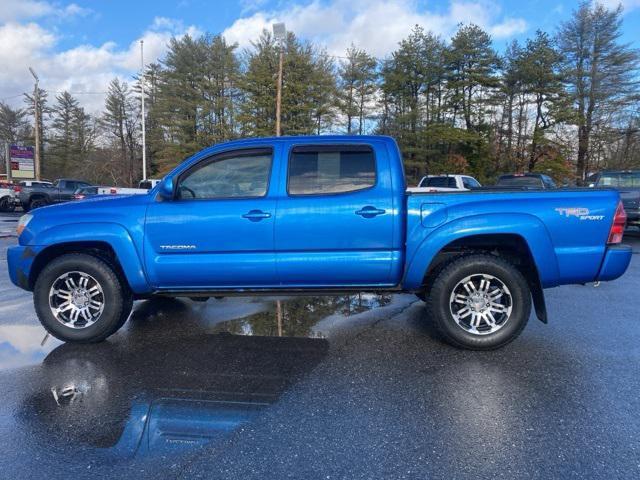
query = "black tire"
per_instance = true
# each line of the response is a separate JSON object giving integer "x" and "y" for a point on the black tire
{"x": 117, "y": 298}
{"x": 7, "y": 205}
{"x": 37, "y": 203}
{"x": 421, "y": 296}
{"x": 440, "y": 298}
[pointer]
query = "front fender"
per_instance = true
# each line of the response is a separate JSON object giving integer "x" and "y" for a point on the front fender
{"x": 113, "y": 234}
{"x": 530, "y": 228}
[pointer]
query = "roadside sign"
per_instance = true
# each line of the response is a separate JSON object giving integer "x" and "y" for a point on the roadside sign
{"x": 22, "y": 163}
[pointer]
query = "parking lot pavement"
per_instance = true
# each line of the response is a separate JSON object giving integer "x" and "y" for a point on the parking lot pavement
{"x": 330, "y": 387}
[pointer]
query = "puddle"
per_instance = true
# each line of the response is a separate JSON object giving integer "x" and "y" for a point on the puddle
{"x": 181, "y": 375}
{"x": 22, "y": 345}
{"x": 301, "y": 316}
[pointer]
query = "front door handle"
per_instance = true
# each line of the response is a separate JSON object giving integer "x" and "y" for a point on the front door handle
{"x": 256, "y": 215}
{"x": 370, "y": 212}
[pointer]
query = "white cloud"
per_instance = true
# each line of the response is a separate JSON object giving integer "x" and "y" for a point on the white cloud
{"x": 81, "y": 69}
{"x": 627, "y": 5}
{"x": 13, "y": 10}
{"x": 377, "y": 25}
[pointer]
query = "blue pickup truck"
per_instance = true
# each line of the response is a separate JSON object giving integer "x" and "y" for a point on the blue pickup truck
{"x": 316, "y": 215}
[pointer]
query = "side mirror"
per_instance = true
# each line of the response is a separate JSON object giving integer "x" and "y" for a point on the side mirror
{"x": 166, "y": 189}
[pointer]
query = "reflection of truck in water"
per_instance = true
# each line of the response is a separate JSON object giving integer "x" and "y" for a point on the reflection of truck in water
{"x": 316, "y": 215}
{"x": 202, "y": 388}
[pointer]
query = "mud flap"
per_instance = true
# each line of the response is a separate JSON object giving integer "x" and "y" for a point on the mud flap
{"x": 538, "y": 300}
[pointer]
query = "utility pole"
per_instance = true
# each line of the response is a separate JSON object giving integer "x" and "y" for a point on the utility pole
{"x": 144, "y": 139}
{"x": 280, "y": 35}
{"x": 36, "y": 114}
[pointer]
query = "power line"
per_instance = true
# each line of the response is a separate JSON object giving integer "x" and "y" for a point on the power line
{"x": 53, "y": 92}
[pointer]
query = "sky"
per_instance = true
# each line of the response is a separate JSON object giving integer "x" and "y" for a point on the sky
{"x": 80, "y": 46}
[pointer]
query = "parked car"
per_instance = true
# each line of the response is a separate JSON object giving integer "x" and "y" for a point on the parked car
{"x": 445, "y": 183}
{"x": 149, "y": 183}
{"x": 7, "y": 198}
{"x": 61, "y": 190}
{"x": 627, "y": 182}
{"x": 84, "y": 192}
{"x": 121, "y": 191}
{"x": 316, "y": 215}
{"x": 526, "y": 180}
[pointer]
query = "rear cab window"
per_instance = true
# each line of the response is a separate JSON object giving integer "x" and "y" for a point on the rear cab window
{"x": 520, "y": 181}
{"x": 439, "y": 182}
{"x": 619, "y": 179}
{"x": 329, "y": 170}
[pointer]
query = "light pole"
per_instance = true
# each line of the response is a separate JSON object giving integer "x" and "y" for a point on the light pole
{"x": 144, "y": 138}
{"x": 36, "y": 114}
{"x": 280, "y": 35}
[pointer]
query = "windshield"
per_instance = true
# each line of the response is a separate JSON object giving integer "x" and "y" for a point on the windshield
{"x": 520, "y": 181}
{"x": 619, "y": 179}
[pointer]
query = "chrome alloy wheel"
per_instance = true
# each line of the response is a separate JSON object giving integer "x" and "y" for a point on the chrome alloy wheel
{"x": 76, "y": 299}
{"x": 481, "y": 304}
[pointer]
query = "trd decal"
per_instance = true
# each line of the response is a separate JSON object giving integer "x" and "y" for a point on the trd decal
{"x": 579, "y": 212}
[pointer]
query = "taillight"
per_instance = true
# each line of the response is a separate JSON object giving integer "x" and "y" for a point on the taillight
{"x": 17, "y": 188}
{"x": 617, "y": 227}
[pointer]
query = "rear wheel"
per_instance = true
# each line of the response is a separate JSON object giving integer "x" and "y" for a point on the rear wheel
{"x": 80, "y": 298}
{"x": 480, "y": 302}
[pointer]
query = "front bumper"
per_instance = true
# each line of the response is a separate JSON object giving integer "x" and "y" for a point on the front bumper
{"x": 19, "y": 262}
{"x": 615, "y": 263}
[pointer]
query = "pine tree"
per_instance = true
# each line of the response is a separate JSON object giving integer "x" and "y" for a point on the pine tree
{"x": 471, "y": 65}
{"x": 600, "y": 72}
{"x": 120, "y": 120}
{"x": 539, "y": 69}
{"x": 308, "y": 88}
{"x": 61, "y": 154}
{"x": 357, "y": 84}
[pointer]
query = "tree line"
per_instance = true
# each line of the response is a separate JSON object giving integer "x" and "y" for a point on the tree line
{"x": 564, "y": 103}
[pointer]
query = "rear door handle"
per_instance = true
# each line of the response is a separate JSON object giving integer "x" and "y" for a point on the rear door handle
{"x": 370, "y": 212}
{"x": 256, "y": 215}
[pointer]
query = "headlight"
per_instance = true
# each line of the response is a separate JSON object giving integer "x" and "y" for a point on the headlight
{"x": 23, "y": 222}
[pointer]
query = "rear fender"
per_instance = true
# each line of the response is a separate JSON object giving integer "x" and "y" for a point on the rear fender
{"x": 113, "y": 234}
{"x": 530, "y": 228}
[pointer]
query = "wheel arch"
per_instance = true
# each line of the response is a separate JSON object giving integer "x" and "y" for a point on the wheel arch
{"x": 523, "y": 239}
{"x": 110, "y": 242}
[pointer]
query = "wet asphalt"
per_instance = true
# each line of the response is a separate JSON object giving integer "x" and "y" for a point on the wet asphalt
{"x": 356, "y": 386}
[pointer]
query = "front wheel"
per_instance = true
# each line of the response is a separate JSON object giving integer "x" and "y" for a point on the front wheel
{"x": 37, "y": 203}
{"x": 80, "y": 298}
{"x": 7, "y": 204}
{"x": 480, "y": 302}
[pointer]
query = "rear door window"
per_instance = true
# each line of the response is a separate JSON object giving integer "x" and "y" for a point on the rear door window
{"x": 325, "y": 170}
